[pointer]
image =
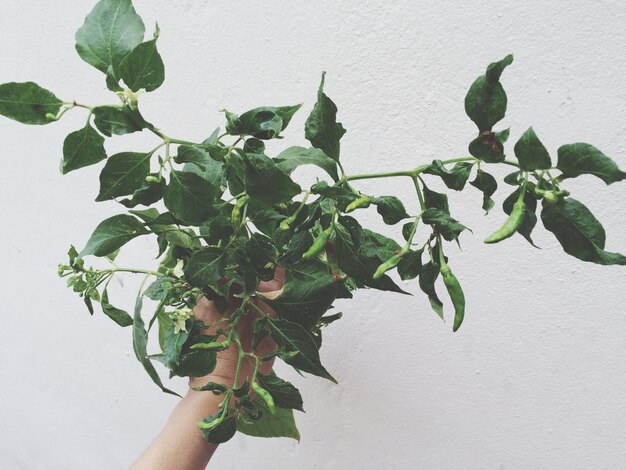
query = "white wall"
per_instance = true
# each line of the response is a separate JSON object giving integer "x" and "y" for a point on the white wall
{"x": 536, "y": 376}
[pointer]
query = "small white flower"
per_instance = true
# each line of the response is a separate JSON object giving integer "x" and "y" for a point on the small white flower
{"x": 178, "y": 269}
{"x": 180, "y": 316}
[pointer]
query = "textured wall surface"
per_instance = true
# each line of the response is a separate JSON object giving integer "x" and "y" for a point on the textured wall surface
{"x": 535, "y": 378}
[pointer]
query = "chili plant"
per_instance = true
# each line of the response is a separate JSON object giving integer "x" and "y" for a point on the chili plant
{"x": 225, "y": 214}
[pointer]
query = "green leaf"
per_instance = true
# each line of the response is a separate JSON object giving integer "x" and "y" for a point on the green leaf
{"x": 584, "y": 159}
{"x": 454, "y": 178}
{"x": 196, "y": 362}
{"x": 112, "y": 234}
{"x": 266, "y": 182}
{"x": 531, "y": 153}
{"x": 530, "y": 209}
{"x": 171, "y": 342}
{"x": 428, "y": 276}
{"x": 580, "y": 234}
{"x": 489, "y": 146}
{"x": 120, "y": 317}
{"x": 149, "y": 193}
{"x": 488, "y": 185}
{"x": 411, "y": 265}
{"x": 197, "y": 160}
{"x": 110, "y": 32}
{"x": 28, "y": 103}
{"x": 321, "y": 127}
{"x": 442, "y": 223}
{"x": 143, "y": 68}
{"x": 82, "y": 148}
{"x": 113, "y": 120}
{"x": 301, "y": 349}
{"x": 360, "y": 252}
{"x": 293, "y": 157}
{"x": 159, "y": 289}
{"x": 436, "y": 200}
{"x": 266, "y": 424}
{"x": 308, "y": 292}
{"x": 262, "y": 123}
{"x": 123, "y": 174}
{"x": 189, "y": 197}
{"x": 486, "y": 100}
{"x": 221, "y": 433}
{"x": 390, "y": 208}
{"x": 205, "y": 267}
{"x": 140, "y": 346}
{"x": 285, "y": 395}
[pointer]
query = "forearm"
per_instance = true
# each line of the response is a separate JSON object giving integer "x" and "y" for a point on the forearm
{"x": 180, "y": 445}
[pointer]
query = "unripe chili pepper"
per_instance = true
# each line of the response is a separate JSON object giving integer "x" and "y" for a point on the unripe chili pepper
{"x": 265, "y": 395}
{"x": 207, "y": 426}
{"x": 235, "y": 215}
{"x": 387, "y": 265}
{"x": 456, "y": 294}
{"x": 362, "y": 202}
{"x": 318, "y": 244}
{"x": 212, "y": 346}
{"x": 512, "y": 223}
{"x": 286, "y": 224}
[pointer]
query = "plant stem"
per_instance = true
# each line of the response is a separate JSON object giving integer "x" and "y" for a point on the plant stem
{"x": 410, "y": 173}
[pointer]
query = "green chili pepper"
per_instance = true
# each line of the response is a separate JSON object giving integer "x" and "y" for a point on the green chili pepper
{"x": 387, "y": 265}
{"x": 456, "y": 295}
{"x": 212, "y": 424}
{"x": 235, "y": 215}
{"x": 318, "y": 244}
{"x": 267, "y": 398}
{"x": 286, "y": 224}
{"x": 212, "y": 346}
{"x": 363, "y": 201}
{"x": 512, "y": 223}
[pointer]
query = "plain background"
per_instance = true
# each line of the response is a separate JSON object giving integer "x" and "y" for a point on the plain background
{"x": 534, "y": 379}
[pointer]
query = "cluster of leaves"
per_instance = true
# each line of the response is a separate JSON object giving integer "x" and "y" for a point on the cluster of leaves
{"x": 225, "y": 214}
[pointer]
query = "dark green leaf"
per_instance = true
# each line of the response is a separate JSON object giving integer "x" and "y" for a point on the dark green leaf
{"x": 123, "y": 174}
{"x": 307, "y": 294}
{"x": 488, "y": 147}
{"x": 293, "y": 157}
{"x": 488, "y": 185}
{"x": 205, "y": 267}
{"x": 580, "y": 234}
{"x": 449, "y": 228}
{"x": 143, "y": 68}
{"x": 360, "y": 252}
{"x": 28, "y": 103}
{"x": 390, "y": 208}
{"x": 486, "y": 100}
{"x": 321, "y": 127}
{"x": 428, "y": 276}
{"x": 113, "y": 120}
{"x": 149, "y": 193}
{"x": 454, "y": 178}
{"x": 216, "y": 388}
{"x": 189, "y": 197}
{"x": 170, "y": 341}
{"x": 531, "y": 153}
{"x": 580, "y": 158}
{"x": 436, "y": 200}
{"x": 221, "y": 433}
{"x": 262, "y": 123}
{"x": 285, "y": 395}
{"x": 159, "y": 289}
{"x": 266, "y": 424}
{"x": 112, "y": 234}
{"x": 301, "y": 350}
{"x": 411, "y": 265}
{"x": 120, "y": 317}
{"x": 82, "y": 148}
{"x": 110, "y": 32}
{"x": 266, "y": 182}
{"x": 140, "y": 345}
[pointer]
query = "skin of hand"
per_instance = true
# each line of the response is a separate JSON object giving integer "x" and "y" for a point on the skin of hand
{"x": 180, "y": 445}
